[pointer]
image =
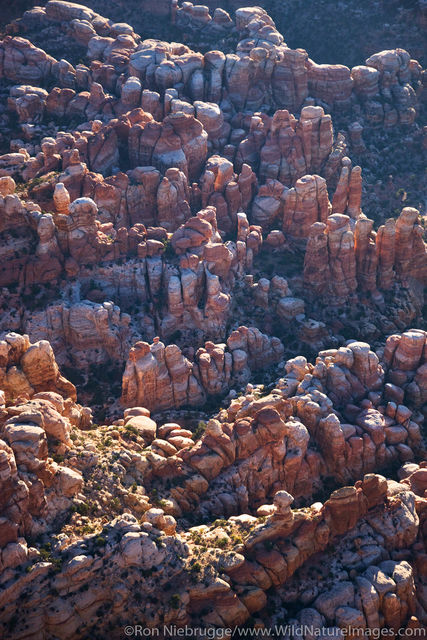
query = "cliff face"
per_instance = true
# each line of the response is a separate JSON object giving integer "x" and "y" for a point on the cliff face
{"x": 217, "y": 244}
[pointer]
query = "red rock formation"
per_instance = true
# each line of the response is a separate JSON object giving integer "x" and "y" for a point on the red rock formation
{"x": 287, "y": 149}
{"x": 40, "y": 406}
{"x": 160, "y": 377}
{"x": 312, "y": 404}
{"x": 305, "y": 204}
{"x": 253, "y": 79}
{"x": 331, "y": 83}
{"x": 410, "y": 252}
{"x": 366, "y": 255}
{"x": 316, "y": 259}
{"x": 348, "y": 194}
{"x": 23, "y": 62}
{"x": 386, "y": 74}
{"x": 227, "y": 192}
{"x": 30, "y": 368}
{"x": 397, "y": 251}
{"x": 274, "y": 549}
{"x": 148, "y": 174}
{"x": 405, "y": 358}
{"x": 83, "y": 333}
{"x": 342, "y": 263}
{"x": 385, "y": 244}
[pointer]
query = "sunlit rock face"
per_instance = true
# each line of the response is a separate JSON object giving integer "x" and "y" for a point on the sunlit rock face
{"x": 213, "y": 356}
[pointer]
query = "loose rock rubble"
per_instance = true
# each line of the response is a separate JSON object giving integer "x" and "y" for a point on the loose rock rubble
{"x": 213, "y": 355}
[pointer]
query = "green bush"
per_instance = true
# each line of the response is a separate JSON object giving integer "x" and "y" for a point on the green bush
{"x": 175, "y": 601}
{"x": 200, "y": 429}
